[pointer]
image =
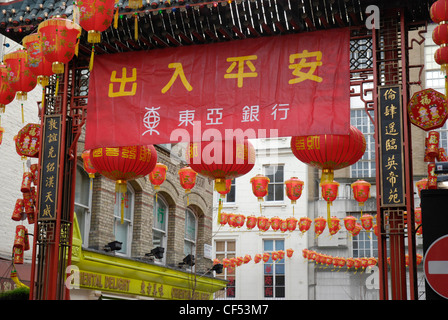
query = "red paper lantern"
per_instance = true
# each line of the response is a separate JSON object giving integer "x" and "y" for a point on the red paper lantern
{"x": 304, "y": 224}
{"x": 41, "y": 68}
{"x": 442, "y": 157}
{"x": 361, "y": 192}
{"x": 341, "y": 262}
{"x": 375, "y": 229}
{"x": 419, "y": 258}
{"x": 329, "y": 194}
{"x": 274, "y": 255}
{"x": 275, "y": 223}
{"x": 283, "y": 225}
{"x": 221, "y": 160}
{"x": 251, "y": 222}
{"x": 294, "y": 188}
{"x": 122, "y": 164}
{"x": 225, "y": 263}
{"x": 27, "y": 140}
{"x": 441, "y": 57}
{"x": 329, "y": 152}
{"x": 158, "y": 175}
{"x": 291, "y": 223}
{"x": 440, "y": 34}
{"x": 95, "y": 16}
{"x": 7, "y": 93}
{"x": 187, "y": 177}
{"x": 356, "y": 229}
{"x": 247, "y": 258}
{"x": 239, "y": 220}
{"x": 335, "y": 226}
{"x": 289, "y": 252}
{"x": 266, "y": 256}
{"x": 257, "y": 258}
{"x": 319, "y": 225}
{"x": 350, "y": 262}
{"x": 20, "y": 76}
{"x": 60, "y": 39}
{"x": 87, "y": 163}
{"x": 367, "y": 221}
{"x": 223, "y": 219}
{"x": 371, "y": 261}
{"x": 263, "y": 223}
{"x": 231, "y": 219}
{"x": 305, "y": 253}
{"x": 260, "y": 186}
{"x": 311, "y": 255}
{"x": 438, "y": 11}
{"x": 349, "y": 223}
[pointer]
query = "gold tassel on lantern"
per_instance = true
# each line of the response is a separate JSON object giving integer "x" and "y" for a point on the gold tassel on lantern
{"x": 57, "y": 86}
{"x": 121, "y": 189}
{"x": 92, "y": 55}
{"x": 116, "y": 14}
{"x": 219, "y": 211}
{"x": 23, "y": 115}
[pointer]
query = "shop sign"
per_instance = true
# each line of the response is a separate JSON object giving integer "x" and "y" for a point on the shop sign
{"x": 390, "y": 129}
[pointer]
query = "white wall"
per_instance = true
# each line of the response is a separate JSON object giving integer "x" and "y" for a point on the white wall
{"x": 249, "y": 277}
{"x": 11, "y": 164}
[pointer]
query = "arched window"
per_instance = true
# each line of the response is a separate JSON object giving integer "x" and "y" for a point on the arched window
{"x": 160, "y": 224}
{"x": 190, "y": 233}
{"x": 83, "y": 196}
{"x": 123, "y": 231}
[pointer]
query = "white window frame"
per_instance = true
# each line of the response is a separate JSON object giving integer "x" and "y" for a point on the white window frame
{"x": 126, "y": 247}
{"x": 85, "y": 227}
{"x": 164, "y": 241}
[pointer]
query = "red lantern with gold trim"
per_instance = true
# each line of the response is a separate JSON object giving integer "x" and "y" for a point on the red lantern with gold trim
{"x": 440, "y": 34}
{"x": 275, "y": 223}
{"x": 251, "y": 222}
{"x": 361, "y": 192}
{"x": 221, "y": 160}
{"x": 418, "y": 215}
{"x": 438, "y": 11}
{"x": 239, "y": 220}
{"x": 87, "y": 163}
{"x": 123, "y": 164}
{"x": 294, "y": 187}
{"x": 227, "y": 189}
{"x": 291, "y": 223}
{"x": 335, "y": 226}
{"x": 7, "y": 93}
{"x": 260, "y": 186}
{"x": 266, "y": 256}
{"x": 349, "y": 223}
{"x": 356, "y": 229}
{"x": 319, "y": 225}
{"x": 187, "y": 178}
{"x": 158, "y": 175}
{"x": 367, "y": 221}
{"x": 263, "y": 223}
{"x": 329, "y": 194}
{"x": 304, "y": 224}
{"x": 329, "y": 152}
{"x": 283, "y": 225}
{"x": 441, "y": 58}
{"x": 223, "y": 219}
{"x": 247, "y": 258}
{"x": 41, "y": 68}
{"x": 257, "y": 258}
{"x": 60, "y": 39}
{"x": 289, "y": 252}
{"x": 20, "y": 76}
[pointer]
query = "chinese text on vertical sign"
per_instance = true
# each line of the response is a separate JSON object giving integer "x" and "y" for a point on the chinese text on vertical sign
{"x": 391, "y": 149}
{"x": 49, "y": 168}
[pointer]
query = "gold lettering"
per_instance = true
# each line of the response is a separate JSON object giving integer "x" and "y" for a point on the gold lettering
{"x": 123, "y": 81}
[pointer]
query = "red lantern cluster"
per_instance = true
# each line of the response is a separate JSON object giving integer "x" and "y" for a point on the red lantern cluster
{"x": 329, "y": 152}
{"x": 265, "y": 256}
{"x": 21, "y": 244}
{"x": 433, "y": 153}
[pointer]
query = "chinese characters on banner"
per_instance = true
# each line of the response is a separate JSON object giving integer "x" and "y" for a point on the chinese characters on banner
{"x": 49, "y": 164}
{"x": 277, "y": 86}
{"x": 391, "y": 141}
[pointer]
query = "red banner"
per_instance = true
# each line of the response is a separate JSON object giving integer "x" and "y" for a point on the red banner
{"x": 266, "y": 87}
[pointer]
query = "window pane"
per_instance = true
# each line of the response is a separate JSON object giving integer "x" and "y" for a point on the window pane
{"x": 190, "y": 225}
{"x": 160, "y": 210}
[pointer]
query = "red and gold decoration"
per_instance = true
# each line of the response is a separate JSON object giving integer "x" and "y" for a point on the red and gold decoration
{"x": 27, "y": 141}
{"x": 7, "y": 93}
{"x": 367, "y": 222}
{"x": 95, "y": 16}
{"x": 304, "y": 224}
{"x": 223, "y": 219}
{"x": 421, "y": 185}
{"x": 294, "y": 187}
{"x": 60, "y": 38}
{"x": 158, "y": 176}
{"x": 41, "y": 68}
{"x": 275, "y": 223}
{"x": 221, "y": 160}
{"x": 361, "y": 192}
{"x": 329, "y": 194}
{"x": 227, "y": 189}
{"x": 432, "y": 176}
{"x": 122, "y": 164}
{"x": 260, "y": 186}
{"x": 319, "y": 226}
{"x": 263, "y": 223}
{"x": 291, "y": 224}
{"x": 187, "y": 178}
{"x": 329, "y": 152}
{"x": 350, "y": 223}
{"x": 20, "y": 76}
{"x": 428, "y": 109}
{"x": 87, "y": 163}
{"x": 335, "y": 226}
{"x": 251, "y": 222}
